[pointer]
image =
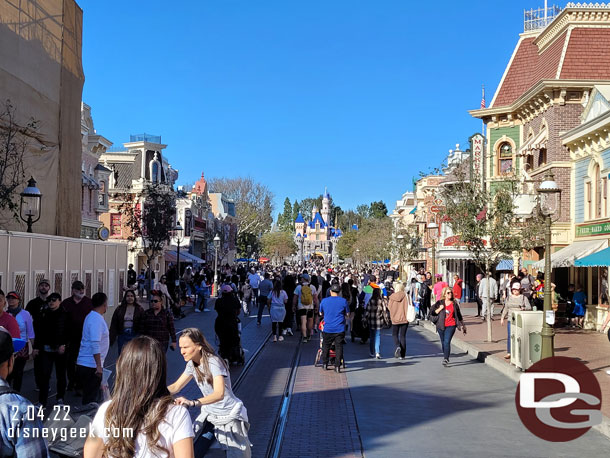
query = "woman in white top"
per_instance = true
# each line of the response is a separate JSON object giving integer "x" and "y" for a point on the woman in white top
{"x": 218, "y": 404}
{"x": 141, "y": 403}
{"x": 277, "y": 305}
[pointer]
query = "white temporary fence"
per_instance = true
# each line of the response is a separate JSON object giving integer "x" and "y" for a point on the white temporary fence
{"x": 25, "y": 259}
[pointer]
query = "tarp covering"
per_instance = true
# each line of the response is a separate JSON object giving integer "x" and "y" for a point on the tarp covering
{"x": 599, "y": 259}
{"x": 567, "y": 256}
{"x": 505, "y": 264}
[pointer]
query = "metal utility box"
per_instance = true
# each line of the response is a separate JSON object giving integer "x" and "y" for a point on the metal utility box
{"x": 525, "y": 338}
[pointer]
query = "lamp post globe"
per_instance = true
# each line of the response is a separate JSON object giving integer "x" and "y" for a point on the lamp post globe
{"x": 550, "y": 200}
{"x": 29, "y": 207}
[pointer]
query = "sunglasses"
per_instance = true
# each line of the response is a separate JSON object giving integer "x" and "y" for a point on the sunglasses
{"x": 154, "y": 301}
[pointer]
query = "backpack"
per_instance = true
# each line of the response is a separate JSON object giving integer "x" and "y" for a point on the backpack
{"x": 423, "y": 292}
{"x": 306, "y": 295}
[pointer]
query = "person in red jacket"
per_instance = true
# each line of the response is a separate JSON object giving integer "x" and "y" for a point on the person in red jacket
{"x": 457, "y": 288}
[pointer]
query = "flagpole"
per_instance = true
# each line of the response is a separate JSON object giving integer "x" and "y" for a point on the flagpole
{"x": 483, "y": 106}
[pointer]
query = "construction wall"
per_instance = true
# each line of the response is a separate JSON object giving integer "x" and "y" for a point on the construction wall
{"x": 25, "y": 259}
{"x": 41, "y": 73}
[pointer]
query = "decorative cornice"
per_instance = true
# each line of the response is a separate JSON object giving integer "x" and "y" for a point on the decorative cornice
{"x": 545, "y": 86}
{"x": 582, "y": 14}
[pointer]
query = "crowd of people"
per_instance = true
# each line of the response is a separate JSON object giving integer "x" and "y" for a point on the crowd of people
{"x": 72, "y": 337}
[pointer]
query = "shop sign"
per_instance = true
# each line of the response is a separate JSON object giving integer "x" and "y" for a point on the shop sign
{"x": 593, "y": 229}
{"x": 454, "y": 240}
{"x": 477, "y": 154}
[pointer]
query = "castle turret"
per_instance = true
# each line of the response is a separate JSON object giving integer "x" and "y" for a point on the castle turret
{"x": 314, "y": 210}
{"x": 326, "y": 207}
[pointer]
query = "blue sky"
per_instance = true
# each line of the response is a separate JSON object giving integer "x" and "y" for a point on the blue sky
{"x": 355, "y": 95}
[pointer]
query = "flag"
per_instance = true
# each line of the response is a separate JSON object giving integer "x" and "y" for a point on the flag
{"x": 483, "y": 97}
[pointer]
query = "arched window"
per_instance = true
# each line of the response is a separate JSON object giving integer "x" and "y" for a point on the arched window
{"x": 155, "y": 172}
{"x": 505, "y": 158}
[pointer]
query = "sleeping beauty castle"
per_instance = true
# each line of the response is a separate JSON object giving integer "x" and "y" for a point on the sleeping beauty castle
{"x": 317, "y": 239}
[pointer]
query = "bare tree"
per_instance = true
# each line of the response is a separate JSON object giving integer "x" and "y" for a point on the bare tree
{"x": 253, "y": 203}
{"x": 14, "y": 143}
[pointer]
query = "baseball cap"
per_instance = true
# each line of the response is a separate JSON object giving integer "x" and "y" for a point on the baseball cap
{"x": 335, "y": 288}
{"x": 515, "y": 285}
{"x": 78, "y": 285}
{"x": 44, "y": 280}
{"x": 13, "y": 294}
{"x": 9, "y": 345}
{"x": 226, "y": 289}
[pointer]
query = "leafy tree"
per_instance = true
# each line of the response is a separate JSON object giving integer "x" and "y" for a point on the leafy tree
{"x": 378, "y": 210}
{"x": 374, "y": 239}
{"x": 296, "y": 208}
{"x": 150, "y": 217}
{"x": 345, "y": 245}
{"x": 363, "y": 210}
{"x": 284, "y": 219}
{"x": 253, "y": 203}
{"x": 485, "y": 221}
{"x": 278, "y": 245}
{"x": 14, "y": 143}
{"x": 243, "y": 240}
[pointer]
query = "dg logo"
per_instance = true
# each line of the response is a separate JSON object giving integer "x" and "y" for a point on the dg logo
{"x": 559, "y": 399}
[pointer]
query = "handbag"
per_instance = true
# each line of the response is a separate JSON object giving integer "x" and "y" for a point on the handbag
{"x": 410, "y": 310}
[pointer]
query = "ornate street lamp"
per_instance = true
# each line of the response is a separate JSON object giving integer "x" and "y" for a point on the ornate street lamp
{"x": 432, "y": 229}
{"x": 216, "y": 247}
{"x": 550, "y": 199}
{"x": 177, "y": 230}
{"x": 248, "y": 251}
{"x": 400, "y": 239}
{"x": 29, "y": 209}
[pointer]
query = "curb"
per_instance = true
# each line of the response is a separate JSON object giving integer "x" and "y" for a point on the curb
{"x": 501, "y": 366}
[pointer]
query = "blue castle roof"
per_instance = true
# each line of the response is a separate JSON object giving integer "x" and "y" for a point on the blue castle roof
{"x": 317, "y": 219}
{"x": 299, "y": 218}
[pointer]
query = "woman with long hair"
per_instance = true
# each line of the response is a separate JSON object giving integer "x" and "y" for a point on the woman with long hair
{"x": 397, "y": 305}
{"x": 218, "y": 404}
{"x": 142, "y": 404}
{"x": 447, "y": 316}
{"x": 374, "y": 317}
{"x": 277, "y": 309}
{"x": 126, "y": 320}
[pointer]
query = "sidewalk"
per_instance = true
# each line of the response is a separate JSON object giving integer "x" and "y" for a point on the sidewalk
{"x": 590, "y": 347}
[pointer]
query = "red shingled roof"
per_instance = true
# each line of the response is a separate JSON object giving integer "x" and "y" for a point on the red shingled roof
{"x": 527, "y": 68}
{"x": 588, "y": 55}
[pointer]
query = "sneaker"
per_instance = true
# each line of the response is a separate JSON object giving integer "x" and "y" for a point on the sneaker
{"x": 281, "y": 339}
{"x": 445, "y": 362}
{"x": 197, "y": 310}
{"x": 275, "y": 338}
{"x": 284, "y": 332}
{"x": 372, "y": 355}
{"x": 378, "y": 356}
{"x": 206, "y": 310}
{"x": 289, "y": 332}
{"x": 304, "y": 340}
{"x": 397, "y": 352}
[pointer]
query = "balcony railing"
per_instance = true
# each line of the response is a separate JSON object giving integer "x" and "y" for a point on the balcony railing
{"x": 538, "y": 18}
{"x": 145, "y": 138}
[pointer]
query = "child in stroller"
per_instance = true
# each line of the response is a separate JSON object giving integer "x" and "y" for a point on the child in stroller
{"x": 331, "y": 356}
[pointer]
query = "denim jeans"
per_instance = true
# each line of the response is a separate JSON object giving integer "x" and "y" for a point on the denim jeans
{"x": 201, "y": 301}
{"x": 375, "y": 342}
{"x": 123, "y": 338}
{"x": 446, "y": 335}
{"x": 508, "y": 340}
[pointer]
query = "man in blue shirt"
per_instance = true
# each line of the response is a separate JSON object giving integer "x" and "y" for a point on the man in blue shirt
{"x": 335, "y": 309}
{"x": 17, "y": 435}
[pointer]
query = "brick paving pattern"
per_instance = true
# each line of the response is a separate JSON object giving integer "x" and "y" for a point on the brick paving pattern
{"x": 321, "y": 419}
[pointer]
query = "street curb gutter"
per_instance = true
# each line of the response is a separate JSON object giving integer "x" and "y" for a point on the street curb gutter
{"x": 501, "y": 366}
